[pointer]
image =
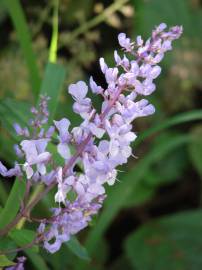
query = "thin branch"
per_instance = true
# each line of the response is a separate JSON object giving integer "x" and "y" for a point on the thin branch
{"x": 27, "y": 246}
{"x": 95, "y": 21}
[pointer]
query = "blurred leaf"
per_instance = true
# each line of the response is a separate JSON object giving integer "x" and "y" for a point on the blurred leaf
{"x": 18, "y": 18}
{"x": 37, "y": 260}
{"x": 172, "y": 167}
{"x": 3, "y": 192}
{"x": 13, "y": 203}
{"x": 118, "y": 196}
{"x": 167, "y": 243}
{"x": 166, "y": 170}
{"x": 74, "y": 9}
{"x": 195, "y": 148}
{"x": 4, "y": 261}
{"x": 23, "y": 237}
{"x": 78, "y": 250}
{"x": 143, "y": 192}
{"x": 54, "y": 260}
{"x": 104, "y": 250}
{"x": 170, "y": 122}
{"x": 172, "y": 12}
{"x": 52, "y": 83}
{"x": 7, "y": 153}
{"x": 121, "y": 263}
{"x": 11, "y": 112}
{"x": 20, "y": 109}
{"x": 7, "y": 244}
{"x": 2, "y": 12}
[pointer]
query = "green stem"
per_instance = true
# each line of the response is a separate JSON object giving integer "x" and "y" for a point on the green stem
{"x": 34, "y": 195}
{"x": 54, "y": 39}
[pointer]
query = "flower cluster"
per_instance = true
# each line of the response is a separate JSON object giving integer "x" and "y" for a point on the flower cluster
{"x": 100, "y": 143}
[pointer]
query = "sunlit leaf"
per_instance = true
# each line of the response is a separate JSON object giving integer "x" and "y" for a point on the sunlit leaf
{"x": 4, "y": 261}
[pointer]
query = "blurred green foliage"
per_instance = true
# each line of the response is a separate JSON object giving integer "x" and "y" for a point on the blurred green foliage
{"x": 164, "y": 180}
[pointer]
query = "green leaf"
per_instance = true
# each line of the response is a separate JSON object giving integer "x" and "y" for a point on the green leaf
{"x": 165, "y": 171}
{"x": 36, "y": 260}
{"x": 118, "y": 196}
{"x": 11, "y": 112}
{"x": 23, "y": 237}
{"x": 4, "y": 261}
{"x": 77, "y": 249}
{"x": 7, "y": 244}
{"x": 121, "y": 263}
{"x": 7, "y": 153}
{"x": 19, "y": 21}
{"x": 3, "y": 192}
{"x": 195, "y": 148}
{"x": 143, "y": 192}
{"x": 20, "y": 109}
{"x": 171, "y": 168}
{"x": 13, "y": 203}
{"x": 167, "y": 243}
{"x": 168, "y": 123}
{"x": 51, "y": 86}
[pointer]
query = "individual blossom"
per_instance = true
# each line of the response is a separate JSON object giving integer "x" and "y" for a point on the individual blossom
{"x": 35, "y": 155}
{"x": 82, "y": 104}
{"x": 64, "y": 137}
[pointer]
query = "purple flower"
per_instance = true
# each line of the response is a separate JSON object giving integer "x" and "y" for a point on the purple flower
{"x": 94, "y": 87}
{"x": 103, "y": 65}
{"x": 16, "y": 171}
{"x": 50, "y": 132}
{"x": 82, "y": 105}
{"x": 64, "y": 137}
{"x": 63, "y": 187}
{"x": 125, "y": 42}
{"x": 35, "y": 154}
{"x": 100, "y": 143}
{"x": 78, "y": 90}
{"x": 18, "y": 129}
{"x": 62, "y": 127}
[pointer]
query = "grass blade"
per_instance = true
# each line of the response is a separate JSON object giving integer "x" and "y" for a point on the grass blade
{"x": 51, "y": 86}
{"x": 173, "y": 121}
{"x": 19, "y": 21}
{"x": 13, "y": 203}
